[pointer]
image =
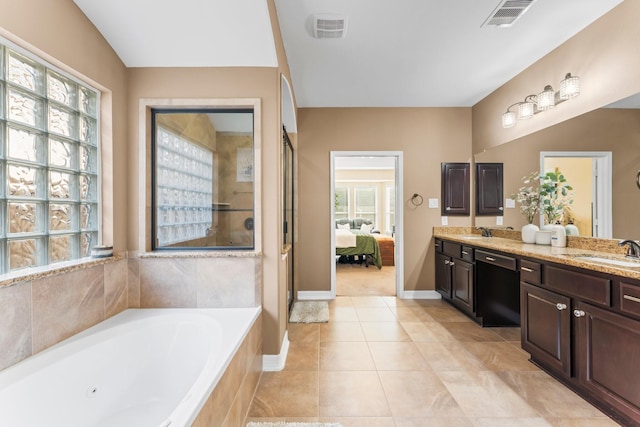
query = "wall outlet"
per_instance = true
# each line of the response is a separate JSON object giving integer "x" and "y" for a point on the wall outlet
{"x": 444, "y": 220}
{"x": 499, "y": 220}
{"x": 510, "y": 203}
{"x": 433, "y": 203}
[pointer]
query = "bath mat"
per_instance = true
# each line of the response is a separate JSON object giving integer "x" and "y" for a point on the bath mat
{"x": 283, "y": 424}
{"x": 310, "y": 312}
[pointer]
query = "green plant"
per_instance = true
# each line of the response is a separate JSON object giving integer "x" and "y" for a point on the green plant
{"x": 528, "y": 196}
{"x": 555, "y": 196}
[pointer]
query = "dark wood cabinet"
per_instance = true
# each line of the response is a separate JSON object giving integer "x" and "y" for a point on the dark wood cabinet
{"x": 581, "y": 326}
{"x": 455, "y": 182}
{"x": 462, "y": 285}
{"x": 607, "y": 358}
{"x": 443, "y": 275}
{"x": 489, "y": 189}
{"x": 455, "y": 274}
{"x": 546, "y": 327}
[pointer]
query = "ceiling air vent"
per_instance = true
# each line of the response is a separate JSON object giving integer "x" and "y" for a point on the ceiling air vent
{"x": 329, "y": 26}
{"x": 507, "y": 12}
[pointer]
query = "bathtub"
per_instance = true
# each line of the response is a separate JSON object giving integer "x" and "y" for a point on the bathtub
{"x": 142, "y": 367}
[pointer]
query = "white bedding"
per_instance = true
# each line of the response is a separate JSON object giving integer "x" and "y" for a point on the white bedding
{"x": 345, "y": 239}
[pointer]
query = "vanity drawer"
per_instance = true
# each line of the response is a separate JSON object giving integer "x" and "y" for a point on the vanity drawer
{"x": 584, "y": 286}
{"x": 452, "y": 249}
{"x": 530, "y": 272}
{"x": 630, "y": 299}
{"x": 495, "y": 259}
{"x": 467, "y": 253}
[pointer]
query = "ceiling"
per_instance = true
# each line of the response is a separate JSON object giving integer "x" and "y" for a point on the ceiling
{"x": 396, "y": 53}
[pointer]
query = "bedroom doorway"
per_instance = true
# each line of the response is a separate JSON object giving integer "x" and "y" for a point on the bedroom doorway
{"x": 366, "y": 214}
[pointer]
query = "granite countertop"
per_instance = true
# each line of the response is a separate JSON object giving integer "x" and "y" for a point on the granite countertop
{"x": 508, "y": 241}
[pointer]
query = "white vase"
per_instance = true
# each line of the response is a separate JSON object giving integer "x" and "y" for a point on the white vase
{"x": 529, "y": 233}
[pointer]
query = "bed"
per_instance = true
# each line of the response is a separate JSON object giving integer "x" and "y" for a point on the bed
{"x": 353, "y": 242}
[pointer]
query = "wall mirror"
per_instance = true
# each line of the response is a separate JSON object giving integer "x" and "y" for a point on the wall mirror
{"x": 614, "y": 128}
{"x": 203, "y": 178}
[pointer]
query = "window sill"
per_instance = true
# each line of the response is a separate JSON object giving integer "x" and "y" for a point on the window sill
{"x": 199, "y": 254}
{"x": 54, "y": 269}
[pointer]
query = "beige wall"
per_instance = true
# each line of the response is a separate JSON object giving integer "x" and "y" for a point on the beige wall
{"x": 426, "y": 136}
{"x": 605, "y": 129}
{"x": 606, "y": 56}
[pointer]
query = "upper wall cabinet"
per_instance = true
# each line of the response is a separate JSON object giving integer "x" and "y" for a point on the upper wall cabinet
{"x": 489, "y": 189}
{"x": 455, "y": 188}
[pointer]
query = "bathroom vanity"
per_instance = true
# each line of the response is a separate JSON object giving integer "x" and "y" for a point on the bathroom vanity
{"x": 579, "y": 310}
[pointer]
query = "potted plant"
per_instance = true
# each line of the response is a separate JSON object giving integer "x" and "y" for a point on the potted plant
{"x": 528, "y": 196}
{"x": 555, "y": 196}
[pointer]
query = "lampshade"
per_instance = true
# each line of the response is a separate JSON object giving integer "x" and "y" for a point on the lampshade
{"x": 526, "y": 109}
{"x": 546, "y": 98}
{"x": 569, "y": 87}
{"x": 508, "y": 119}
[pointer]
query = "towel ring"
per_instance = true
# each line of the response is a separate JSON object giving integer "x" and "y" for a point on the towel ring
{"x": 417, "y": 199}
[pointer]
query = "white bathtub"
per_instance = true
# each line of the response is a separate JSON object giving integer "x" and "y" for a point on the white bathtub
{"x": 143, "y": 367}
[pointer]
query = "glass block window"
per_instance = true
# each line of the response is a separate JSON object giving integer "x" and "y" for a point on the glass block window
{"x": 184, "y": 190}
{"x": 49, "y": 192}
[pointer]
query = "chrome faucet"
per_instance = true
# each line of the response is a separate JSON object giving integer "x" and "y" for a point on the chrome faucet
{"x": 633, "y": 247}
{"x": 485, "y": 231}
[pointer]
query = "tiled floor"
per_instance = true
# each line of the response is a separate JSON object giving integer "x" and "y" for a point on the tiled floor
{"x": 356, "y": 279}
{"x": 386, "y": 362}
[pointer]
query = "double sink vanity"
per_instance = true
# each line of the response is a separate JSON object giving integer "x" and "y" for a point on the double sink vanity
{"x": 578, "y": 307}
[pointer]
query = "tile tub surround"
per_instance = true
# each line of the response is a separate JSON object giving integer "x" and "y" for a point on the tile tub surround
{"x": 566, "y": 256}
{"x": 195, "y": 279}
{"x": 228, "y": 404}
{"x": 50, "y": 306}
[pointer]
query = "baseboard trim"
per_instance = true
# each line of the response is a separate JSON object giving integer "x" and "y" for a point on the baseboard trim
{"x": 315, "y": 295}
{"x": 421, "y": 295}
{"x": 276, "y": 362}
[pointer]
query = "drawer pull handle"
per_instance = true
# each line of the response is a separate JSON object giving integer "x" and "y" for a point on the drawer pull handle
{"x": 490, "y": 259}
{"x": 465, "y": 253}
{"x": 579, "y": 313}
{"x": 630, "y": 298}
{"x": 561, "y": 306}
{"x": 437, "y": 245}
{"x": 528, "y": 270}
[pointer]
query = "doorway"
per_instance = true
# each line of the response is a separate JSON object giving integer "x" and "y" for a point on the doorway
{"x": 589, "y": 173}
{"x": 366, "y": 214}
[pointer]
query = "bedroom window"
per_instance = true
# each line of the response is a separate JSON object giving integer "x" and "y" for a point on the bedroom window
{"x": 365, "y": 203}
{"x": 49, "y": 157}
{"x": 390, "y": 209}
{"x": 342, "y": 202}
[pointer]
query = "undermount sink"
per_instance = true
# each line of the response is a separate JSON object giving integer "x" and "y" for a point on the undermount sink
{"x": 612, "y": 261}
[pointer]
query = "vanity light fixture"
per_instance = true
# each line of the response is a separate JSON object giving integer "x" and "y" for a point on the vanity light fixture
{"x": 545, "y": 100}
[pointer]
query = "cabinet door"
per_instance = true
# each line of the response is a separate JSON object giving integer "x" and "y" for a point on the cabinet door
{"x": 545, "y": 319}
{"x": 462, "y": 284}
{"x": 455, "y": 189}
{"x": 443, "y": 275}
{"x": 489, "y": 189}
{"x": 608, "y": 351}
